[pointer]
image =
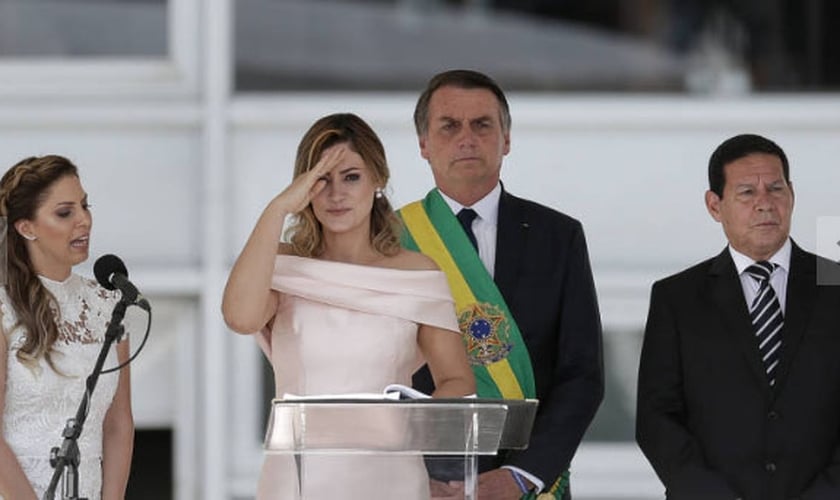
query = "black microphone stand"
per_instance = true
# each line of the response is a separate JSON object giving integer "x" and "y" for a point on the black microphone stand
{"x": 65, "y": 459}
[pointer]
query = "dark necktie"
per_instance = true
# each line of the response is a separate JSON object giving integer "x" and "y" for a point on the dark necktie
{"x": 767, "y": 318}
{"x": 466, "y": 217}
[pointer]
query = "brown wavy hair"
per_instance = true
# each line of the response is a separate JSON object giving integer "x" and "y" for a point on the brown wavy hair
{"x": 23, "y": 189}
{"x": 306, "y": 235}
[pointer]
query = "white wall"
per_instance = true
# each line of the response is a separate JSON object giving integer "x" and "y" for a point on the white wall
{"x": 178, "y": 170}
{"x": 631, "y": 169}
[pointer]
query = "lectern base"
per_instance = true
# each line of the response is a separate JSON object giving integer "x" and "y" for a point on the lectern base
{"x": 348, "y": 477}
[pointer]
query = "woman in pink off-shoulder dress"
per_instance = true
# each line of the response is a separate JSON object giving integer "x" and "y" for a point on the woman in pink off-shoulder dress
{"x": 342, "y": 308}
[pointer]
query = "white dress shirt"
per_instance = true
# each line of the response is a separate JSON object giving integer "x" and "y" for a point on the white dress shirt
{"x": 778, "y": 279}
{"x": 485, "y": 226}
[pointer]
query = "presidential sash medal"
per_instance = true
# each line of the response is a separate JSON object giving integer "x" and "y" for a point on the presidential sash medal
{"x": 487, "y": 333}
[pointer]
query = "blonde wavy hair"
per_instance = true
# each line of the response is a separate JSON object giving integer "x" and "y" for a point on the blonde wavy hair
{"x": 306, "y": 235}
{"x": 23, "y": 189}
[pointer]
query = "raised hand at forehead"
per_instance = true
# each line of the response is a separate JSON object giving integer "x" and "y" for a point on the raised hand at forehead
{"x": 306, "y": 186}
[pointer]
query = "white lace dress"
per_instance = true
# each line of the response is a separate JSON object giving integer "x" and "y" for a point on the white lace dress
{"x": 39, "y": 402}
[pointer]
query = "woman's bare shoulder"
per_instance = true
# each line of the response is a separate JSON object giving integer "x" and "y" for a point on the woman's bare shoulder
{"x": 413, "y": 261}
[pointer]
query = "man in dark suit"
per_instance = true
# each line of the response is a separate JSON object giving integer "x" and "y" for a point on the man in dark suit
{"x": 531, "y": 262}
{"x": 739, "y": 380}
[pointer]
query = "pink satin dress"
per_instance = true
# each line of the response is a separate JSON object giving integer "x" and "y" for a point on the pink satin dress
{"x": 345, "y": 328}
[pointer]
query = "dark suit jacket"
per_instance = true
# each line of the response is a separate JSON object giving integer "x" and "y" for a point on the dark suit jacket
{"x": 708, "y": 421}
{"x": 543, "y": 272}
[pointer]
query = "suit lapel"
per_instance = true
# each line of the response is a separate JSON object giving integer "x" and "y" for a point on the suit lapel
{"x": 801, "y": 295}
{"x": 511, "y": 243}
{"x": 728, "y": 296}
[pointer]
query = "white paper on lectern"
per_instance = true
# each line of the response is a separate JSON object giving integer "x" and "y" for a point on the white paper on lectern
{"x": 391, "y": 392}
{"x": 372, "y": 396}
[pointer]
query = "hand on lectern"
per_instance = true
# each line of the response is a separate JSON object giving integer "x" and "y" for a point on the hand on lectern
{"x": 451, "y": 490}
{"x": 498, "y": 484}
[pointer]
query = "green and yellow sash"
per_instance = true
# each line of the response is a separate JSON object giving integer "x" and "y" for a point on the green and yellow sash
{"x": 494, "y": 343}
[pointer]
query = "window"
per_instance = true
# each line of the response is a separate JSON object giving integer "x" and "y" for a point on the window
{"x": 543, "y": 45}
{"x": 98, "y": 48}
{"x": 83, "y": 28}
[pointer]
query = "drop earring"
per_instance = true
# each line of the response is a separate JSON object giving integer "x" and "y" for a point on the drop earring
{"x": 378, "y": 194}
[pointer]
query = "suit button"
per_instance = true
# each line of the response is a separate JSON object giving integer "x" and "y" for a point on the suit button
{"x": 770, "y": 467}
{"x": 773, "y": 415}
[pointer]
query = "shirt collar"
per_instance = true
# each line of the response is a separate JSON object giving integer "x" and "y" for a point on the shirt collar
{"x": 487, "y": 208}
{"x": 781, "y": 258}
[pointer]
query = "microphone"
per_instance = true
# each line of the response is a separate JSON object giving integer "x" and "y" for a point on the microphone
{"x": 111, "y": 273}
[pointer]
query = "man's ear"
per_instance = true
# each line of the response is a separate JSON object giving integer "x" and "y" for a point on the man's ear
{"x": 713, "y": 204}
{"x": 421, "y": 139}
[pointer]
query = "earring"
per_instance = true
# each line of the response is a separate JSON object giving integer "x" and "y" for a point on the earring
{"x": 378, "y": 194}
{"x": 30, "y": 237}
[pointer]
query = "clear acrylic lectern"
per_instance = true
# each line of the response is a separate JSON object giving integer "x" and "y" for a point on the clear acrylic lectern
{"x": 390, "y": 432}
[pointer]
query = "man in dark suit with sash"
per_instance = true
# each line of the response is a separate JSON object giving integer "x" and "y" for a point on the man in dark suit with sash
{"x": 739, "y": 380}
{"x": 521, "y": 279}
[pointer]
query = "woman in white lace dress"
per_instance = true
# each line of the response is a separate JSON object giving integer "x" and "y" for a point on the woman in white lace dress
{"x": 52, "y": 325}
